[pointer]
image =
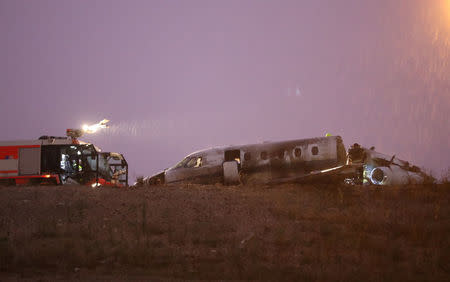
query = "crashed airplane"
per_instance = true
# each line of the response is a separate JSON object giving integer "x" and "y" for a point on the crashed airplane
{"x": 304, "y": 160}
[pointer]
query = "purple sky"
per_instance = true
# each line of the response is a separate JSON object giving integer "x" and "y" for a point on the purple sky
{"x": 177, "y": 76}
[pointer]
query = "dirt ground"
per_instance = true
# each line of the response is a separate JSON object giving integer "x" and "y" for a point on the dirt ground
{"x": 286, "y": 232}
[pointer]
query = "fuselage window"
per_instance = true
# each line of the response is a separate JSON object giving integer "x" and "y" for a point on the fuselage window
{"x": 315, "y": 150}
{"x": 298, "y": 152}
{"x": 264, "y": 155}
{"x": 247, "y": 156}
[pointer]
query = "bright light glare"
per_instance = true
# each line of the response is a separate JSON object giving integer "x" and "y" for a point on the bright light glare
{"x": 445, "y": 7}
{"x": 93, "y": 128}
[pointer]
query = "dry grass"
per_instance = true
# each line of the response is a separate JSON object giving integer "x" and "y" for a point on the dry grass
{"x": 289, "y": 232}
{"x": 445, "y": 178}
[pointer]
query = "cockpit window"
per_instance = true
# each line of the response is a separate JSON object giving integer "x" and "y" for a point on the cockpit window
{"x": 190, "y": 162}
{"x": 199, "y": 162}
{"x": 182, "y": 163}
{"x": 194, "y": 162}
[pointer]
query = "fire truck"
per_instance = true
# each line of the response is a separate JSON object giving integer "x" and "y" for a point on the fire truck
{"x": 52, "y": 160}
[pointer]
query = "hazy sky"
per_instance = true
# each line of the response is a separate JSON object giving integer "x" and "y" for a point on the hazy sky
{"x": 177, "y": 76}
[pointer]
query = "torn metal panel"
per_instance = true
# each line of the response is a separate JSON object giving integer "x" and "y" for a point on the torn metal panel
{"x": 382, "y": 169}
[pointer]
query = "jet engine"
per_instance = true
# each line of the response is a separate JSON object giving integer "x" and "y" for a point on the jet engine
{"x": 394, "y": 175}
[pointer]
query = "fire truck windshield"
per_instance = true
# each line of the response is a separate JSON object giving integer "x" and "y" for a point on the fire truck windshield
{"x": 103, "y": 167}
{"x": 83, "y": 164}
{"x": 72, "y": 162}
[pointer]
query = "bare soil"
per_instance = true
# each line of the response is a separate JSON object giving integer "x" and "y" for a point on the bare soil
{"x": 286, "y": 232}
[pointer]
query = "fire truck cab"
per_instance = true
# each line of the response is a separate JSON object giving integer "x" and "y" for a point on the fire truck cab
{"x": 60, "y": 160}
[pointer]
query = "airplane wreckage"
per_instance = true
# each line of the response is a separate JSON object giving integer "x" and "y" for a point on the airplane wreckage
{"x": 322, "y": 159}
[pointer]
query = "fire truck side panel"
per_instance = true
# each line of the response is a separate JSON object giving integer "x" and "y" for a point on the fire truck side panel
{"x": 9, "y": 156}
{"x": 9, "y": 167}
{"x": 30, "y": 161}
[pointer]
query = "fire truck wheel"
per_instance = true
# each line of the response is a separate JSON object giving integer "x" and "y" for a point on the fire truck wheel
{"x": 36, "y": 181}
{"x": 7, "y": 182}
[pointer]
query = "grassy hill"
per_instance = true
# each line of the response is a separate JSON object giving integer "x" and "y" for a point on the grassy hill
{"x": 286, "y": 232}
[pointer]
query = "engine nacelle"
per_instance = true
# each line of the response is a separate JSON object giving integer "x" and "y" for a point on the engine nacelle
{"x": 394, "y": 175}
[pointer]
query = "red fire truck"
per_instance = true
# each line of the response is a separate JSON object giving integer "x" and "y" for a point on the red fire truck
{"x": 60, "y": 160}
